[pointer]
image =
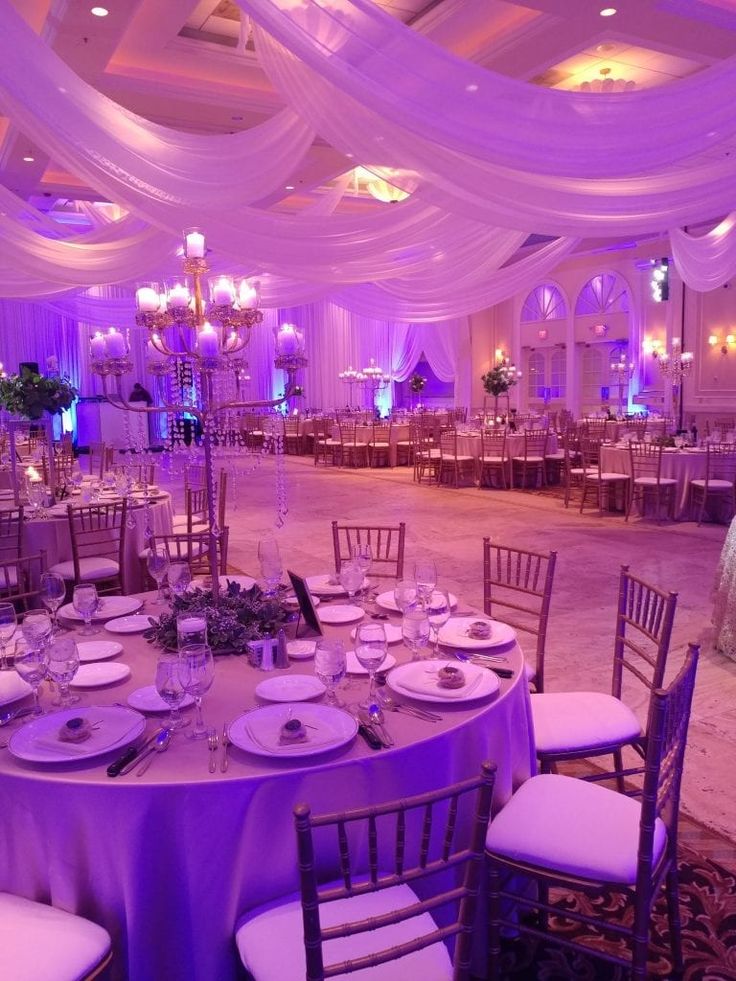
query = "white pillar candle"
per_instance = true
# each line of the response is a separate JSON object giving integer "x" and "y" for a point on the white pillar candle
{"x": 147, "y": 299}
{"x": 194, "y": 245}
{"x": 223, "y": 291}
{"x": 287, "y": 342}
{"x": 247, "y": 295}
{"x": 153, "y": 352}
{"x": 97, "y": 347}
{"x": 208, "y": 342}
{"x": 178, "y": 296}
{"x": 115, "y": 344}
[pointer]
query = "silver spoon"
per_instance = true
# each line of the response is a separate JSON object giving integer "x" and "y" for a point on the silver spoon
{"x": 160, "y": 743}
{"x": 388, "y": 703}
{"x": 378, "y": 720}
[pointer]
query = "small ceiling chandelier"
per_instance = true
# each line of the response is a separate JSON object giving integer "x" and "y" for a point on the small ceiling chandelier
{"x": 607, "y": 84}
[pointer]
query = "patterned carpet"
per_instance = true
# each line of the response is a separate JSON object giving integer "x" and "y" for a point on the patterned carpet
{"x": 708, "y": 910}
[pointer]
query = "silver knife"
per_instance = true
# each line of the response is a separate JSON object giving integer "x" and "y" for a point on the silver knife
{"x": 141, "y": 750}
{"x": 225, "y": 746}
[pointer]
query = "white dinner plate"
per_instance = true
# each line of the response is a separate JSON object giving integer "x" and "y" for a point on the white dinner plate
{"x": 355, "y": 667}
{"x": 455, "y": 634}
{"x": 109, "y": 608}
{"x": 12, "y": 687}
{"x": 301, "y": 650}
{"x": 417, "y": 680}
{"x": 258, "y": 731}
{"x": 387, "y": 602}
{"x": 393, "y": 633}
{"x": 294, "y": 602}
{"x": 340, "y": 614}
{"x": 290, "y": 688}
{"x": 38, "y": 742}
{"x": 129, "y": 625}
{"x": 328, "y": 585}
{"x": 148, "y": 700}
{"x": 100, "y": 673}
{"x": 98, "y": 650}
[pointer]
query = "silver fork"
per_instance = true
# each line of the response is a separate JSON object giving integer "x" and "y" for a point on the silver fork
{"x": 212, "y": 742}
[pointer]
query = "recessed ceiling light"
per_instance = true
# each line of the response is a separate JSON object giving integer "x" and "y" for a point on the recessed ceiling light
{"x": 289, "y": 187}
{"x": 608, "y": 12}
{"x": 99, "y": 11}
{"x": 606, "y": 48}
{"x": 29, "y": 158}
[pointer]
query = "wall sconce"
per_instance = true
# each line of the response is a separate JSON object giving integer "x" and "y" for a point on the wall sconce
{"x": 652, "y": 346}
{"x": 499, "y": 354}
{"x": 599, "y": 330}
{"x": 730, "y": 341}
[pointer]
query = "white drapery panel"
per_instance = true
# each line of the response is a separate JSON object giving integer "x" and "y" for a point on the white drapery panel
{"x": 706, "y": 262}
{"x": 446, "y": 347}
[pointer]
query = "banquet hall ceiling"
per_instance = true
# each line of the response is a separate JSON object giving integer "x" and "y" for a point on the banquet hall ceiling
{"x": 189, "y": 64}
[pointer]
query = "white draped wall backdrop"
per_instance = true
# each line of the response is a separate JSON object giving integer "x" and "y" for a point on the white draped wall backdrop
{"x": 488, "y": 161}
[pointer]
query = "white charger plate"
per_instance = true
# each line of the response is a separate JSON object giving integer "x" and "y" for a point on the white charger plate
{"x": 340, "y": 614}
{"x": 343, "y": 725}
{"x": 355, "y": 667}
{"x": 301, "y": 650}
{"x": 393, "y": 633}
{"x": 109, "y": 608}
{"x": 321, "y": 585}
{"x": 100, "y": 673}
{"x": 290, "y": 688}
{"x": 128, "y": 625}
{"x": 387, "y": 602}
{"x": 487, "y": 685}
{"x": 148, "y": 700}
{"x": 12, "y": 687}
{"x": 454, "y": 634}
{"x": 98, "y": 650}
{"x": 294, "y": 602}
{"x": 23, "y": 746}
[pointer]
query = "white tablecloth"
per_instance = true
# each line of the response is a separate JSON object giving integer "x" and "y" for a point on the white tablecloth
{"x": 724, "y": 608}
{"x": 400, "y": 432}
{"x": 167, "y": 862}
{"x": 683, "y": 465}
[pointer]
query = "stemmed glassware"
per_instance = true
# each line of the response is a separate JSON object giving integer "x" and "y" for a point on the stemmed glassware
{"x": 36, "y": 628}
{"x": 52, "y": 591}
{"x": 330, "y": 666}
{"x": 32, "y": 665}
{"x": 8, "y": 623}
{"x": 197, "y": 672}
{"x": 415, "y": 629}
{"x": 438, "y": 613}
{"x": 351, "y": 578}
{"x": 86, "y": 601}
{"x": 370, "y": 650}
{"x": 271, "y": 567}
{"x": 63, "y": 663}
{"x": 170, "y": 688}
{"x": 361, "y": 554}
{"x": 405, "y": 594}
{"x": 157, "y": 563}
{"x": 425, "y": 574}
{"x": 37, "y": 497}
{"x": 180, "y": 578}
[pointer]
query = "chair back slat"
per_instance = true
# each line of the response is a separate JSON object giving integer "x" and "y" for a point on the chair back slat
{"x": 450, "y": 827}
{"x": 373, "y": 847}
{"x": 19, "y": 578}
{"x": 426, "y": 836}
{"x": 344, "y": 850}
{"x": 11, "y": 533}
{"x": 400, "y": 841}
{"x": 643, "y": 631}
{"x": 387, "y": 547}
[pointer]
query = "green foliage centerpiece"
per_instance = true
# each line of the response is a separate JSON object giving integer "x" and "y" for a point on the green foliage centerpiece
{"x": 498, "y": 381}
{"x": 30, "y": 394}
{"x": 241, "y": 615}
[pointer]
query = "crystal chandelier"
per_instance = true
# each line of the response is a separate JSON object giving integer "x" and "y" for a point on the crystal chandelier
{"x": 674, "y": 364}
{"x": 607, "y": 84}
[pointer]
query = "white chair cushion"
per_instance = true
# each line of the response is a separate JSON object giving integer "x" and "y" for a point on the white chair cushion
{"x": 582, "y": 720}
{"x": 492, "y": 459}
{"x": 40, "y": 943}
{"x": 559, "y": 455}
{"x": 91, "y": 568}
{"x": 601, "y": 829}
{"x": 608, "y": 475}
{"x": 714, "y": 484}
{"x": 529, "y": 459}
{"x": 271, "y": 940}
{"x": 380, "y": 445}
{"x": 652, "y": 481}
{"x": 457, "y": 459}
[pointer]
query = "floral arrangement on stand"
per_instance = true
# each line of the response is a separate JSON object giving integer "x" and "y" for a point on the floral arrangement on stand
{"x": 499, "y": 379}
{"x": 241, "y": 615}
{"x": 30, "y": 394}
{"x": 417, "y": 383}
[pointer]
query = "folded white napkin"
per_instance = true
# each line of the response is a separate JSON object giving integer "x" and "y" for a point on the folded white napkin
{"x": 266, "y": 734}
{"x": 111, "y": 730}
{"x": 424, "y": 681}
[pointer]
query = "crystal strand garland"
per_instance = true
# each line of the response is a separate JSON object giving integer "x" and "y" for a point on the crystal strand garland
{"x": 282, "y": 508}
{"x": 130, "y": 519}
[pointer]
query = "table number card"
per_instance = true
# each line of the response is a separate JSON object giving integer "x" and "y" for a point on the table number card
{"x": 307, "y": 611}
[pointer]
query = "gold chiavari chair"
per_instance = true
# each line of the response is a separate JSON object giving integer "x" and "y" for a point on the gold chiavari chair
{"x": 426, "y": 455}
{"x": 605, "y": 484}
{"x": 11, "y": 533}
{"x": 353, "y": 452}
{"x": 530, "y": 463}
{"x": 386, "y": 542}
{"x": 19, "y": 578}
{"x": 326, "y": 448}
{"x": 97, "y": 533}
{"x": 193, "y": 549}
{"x": 719, "y": 484}
{"x": 379, "y": 447}
{"x": 454, "y": 465}
{"x": 648, "y": 485}
{"x": 493, "y": 461}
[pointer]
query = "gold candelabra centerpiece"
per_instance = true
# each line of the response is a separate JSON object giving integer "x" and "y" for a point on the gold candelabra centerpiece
{"x": 622, "y": 370}
{"x": 375, "y": 379}
{"x": 351, "y": 377}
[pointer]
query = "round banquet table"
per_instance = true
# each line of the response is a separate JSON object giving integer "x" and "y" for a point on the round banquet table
{"x": 52, "y": 535}
{"x": 167, "y": 862}
{"x": 724, "y": 595}
{"x": 683, "y": 465}
{"x": 400, "y": 433}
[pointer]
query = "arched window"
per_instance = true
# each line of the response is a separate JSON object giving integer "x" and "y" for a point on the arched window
{"x": 604, "y": 293}
{"x": 545, "y": 302}
{"x": 535, "y": 375}
{"x": 558, "y": 374}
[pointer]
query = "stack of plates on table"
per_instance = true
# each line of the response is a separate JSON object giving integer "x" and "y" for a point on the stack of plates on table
{"x": 113, "y": 727}
{"x": 129, "y": 625}
{"x": 301, "y": 650}
{"x": 100, "y": 673}
{"x": 387, "y": 602}
{"x": 148, "y": 700}
{"x": 259, "y": 732}
{"x": 97, "y": 650}
{"x": 329, "y": 585}
{"x": 355, "y": 667}
{"x": 290, "y": 688}
{"x": 12, "y": 687}
{"x": 110, "y": 607}
{"x": 455, "y": 633}
{"x": 345, "y": 613}
{"x": 393, "y": 633}
{"x": 420, "y": 680}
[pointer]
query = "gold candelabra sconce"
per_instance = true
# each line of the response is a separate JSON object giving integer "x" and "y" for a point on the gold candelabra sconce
{"x": 725, "y": 344}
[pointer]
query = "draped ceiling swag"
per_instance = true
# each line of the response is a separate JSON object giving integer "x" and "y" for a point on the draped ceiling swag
{"x": 489, "y": 160}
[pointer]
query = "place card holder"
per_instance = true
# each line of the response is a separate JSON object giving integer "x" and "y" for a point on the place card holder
{"x": 307, "y": 610}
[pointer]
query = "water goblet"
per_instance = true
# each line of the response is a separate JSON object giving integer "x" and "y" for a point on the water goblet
{"x": 271, "y": 567}
{"x": 157, "y": 563}
{"x": 415, "y": 630}
{"x": 425, "y": 574}
{"x": 36, "y": 629}
{"x": 197, "y": 672}
{"x": 8, "y": 623}
{"x": 86, "y": 601}
{"x": 438, "y": 613}
{"x": 36, "y": 497}
{"x": 169, "y": 686}
{"x": 330, "y": 666}
{"x": 77, "y": 478}
{"x": 180, "y": 578}
{"x": 370, "y": 650}
{"x": 52, "y": 591}
{"x": 32, "y": 666}
{"x": 63, "y": 663}
{"x": 361, "y": 554}
{"x": 95, "y": 489}
{"x": 108, "y": 481}
{"x": 405, "y": 594}
{"x": 351, "y": 578}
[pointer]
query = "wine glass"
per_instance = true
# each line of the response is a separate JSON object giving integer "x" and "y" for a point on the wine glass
{"x": 270, "y": 559}
{"x": 351, "y": 578}
{"x": 197, "y": 672}
{"x": 86, "y": 601}
{"x": 52, "y": 591}
{"x": 405, "y": 594}
{"x": 63, "y": 662}
{"x": 170, "y": 688}
{"x": 157, "y": 563}
{"x": 361, "y": 554}
{"x": 330, "y": 666}
{"x": 36, "y": 629}
{"x": 77, "y": 478}
{"x": 415, "y": 629}
{"x": 438, "y": 613}
{"x": 8, "y": 623}
{"x": 36, "y": 496}
{"x": 32, "y": 666}
{"x": 370, "y": 650}
{"x": 425, "y": 574}
{"x": 180, "y": 578}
